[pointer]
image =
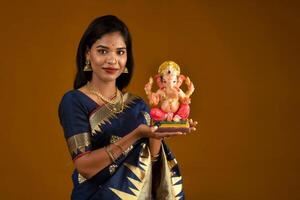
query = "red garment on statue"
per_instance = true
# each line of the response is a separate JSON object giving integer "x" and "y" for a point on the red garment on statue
{"x": 159, "y": 115}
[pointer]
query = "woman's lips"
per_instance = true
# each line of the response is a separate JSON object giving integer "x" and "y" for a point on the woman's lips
{"x": 110, "y": 70}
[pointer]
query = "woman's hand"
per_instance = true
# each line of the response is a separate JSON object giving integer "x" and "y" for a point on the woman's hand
{"x": 146, "y": 131}
{"x": 193, "y": 125}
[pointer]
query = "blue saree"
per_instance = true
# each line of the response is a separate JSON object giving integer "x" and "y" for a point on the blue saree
{"x": 88, "y": 126}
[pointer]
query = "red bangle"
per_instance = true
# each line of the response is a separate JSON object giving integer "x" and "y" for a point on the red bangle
{"x": 82, "y": 154}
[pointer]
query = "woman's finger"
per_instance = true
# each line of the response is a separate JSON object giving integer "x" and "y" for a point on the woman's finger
{"x": 153, "y": 128}
{"x": 194, "y": 124}
{"x": 167, "y": 134}
{"x": 172, "y": 133}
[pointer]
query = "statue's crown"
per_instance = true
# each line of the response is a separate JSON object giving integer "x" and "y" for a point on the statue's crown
{"x": 168, "y": 64}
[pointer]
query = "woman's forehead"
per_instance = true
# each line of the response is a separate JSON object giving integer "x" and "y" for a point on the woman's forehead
{"x": 111, "y": 40}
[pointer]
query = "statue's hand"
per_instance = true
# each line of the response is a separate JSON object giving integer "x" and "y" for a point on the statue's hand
{"x": 150, "y": 80}
{"x": 153, "y": 99}
{"x": 188, "y": 81}
{"x": 186, "y": 100}
{"x": 190, "y": 86}
{"x": 148, "y": 86}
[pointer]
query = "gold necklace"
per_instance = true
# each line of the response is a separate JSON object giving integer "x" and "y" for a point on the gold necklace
{"x": 103, "y": 98}
{"x": 108, "y": 102}
{"x": 114, "y": 109}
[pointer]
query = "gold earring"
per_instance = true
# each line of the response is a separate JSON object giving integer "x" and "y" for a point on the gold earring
{"x": 87, "y": 66}
{"x": 125, "y": 70}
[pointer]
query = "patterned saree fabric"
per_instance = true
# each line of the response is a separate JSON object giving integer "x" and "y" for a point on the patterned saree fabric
{"x": 88, "y": 126}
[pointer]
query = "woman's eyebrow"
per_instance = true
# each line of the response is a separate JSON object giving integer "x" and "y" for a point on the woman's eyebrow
{"x": 105, "y": 47}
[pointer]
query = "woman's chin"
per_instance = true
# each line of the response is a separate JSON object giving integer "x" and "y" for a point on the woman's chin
{"x": 110, "y": 78}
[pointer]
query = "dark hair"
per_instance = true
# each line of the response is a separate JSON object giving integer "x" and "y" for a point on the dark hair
{"x": 99, "y": 27}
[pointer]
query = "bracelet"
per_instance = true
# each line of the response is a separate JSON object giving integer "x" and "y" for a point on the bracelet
{"x": 155, "y": 157}
{"x": 110, "y": 154}
{"x": 120, "y": 147}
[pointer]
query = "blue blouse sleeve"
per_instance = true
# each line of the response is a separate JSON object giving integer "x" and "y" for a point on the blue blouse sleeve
{"x": 75, "y": 122}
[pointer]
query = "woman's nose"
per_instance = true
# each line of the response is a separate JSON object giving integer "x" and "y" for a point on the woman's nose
{"x": 112, "y": 60}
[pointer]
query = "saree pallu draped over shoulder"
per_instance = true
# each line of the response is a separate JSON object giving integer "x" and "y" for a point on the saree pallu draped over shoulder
{"x": 133, "y": 176}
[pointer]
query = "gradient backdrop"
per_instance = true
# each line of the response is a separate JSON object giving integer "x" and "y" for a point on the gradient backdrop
{"x": 243, "y": 57}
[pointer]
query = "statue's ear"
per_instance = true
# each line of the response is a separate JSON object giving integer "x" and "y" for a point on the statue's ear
{"x": 180, "y": 80}
{"x": 157, "y": 77}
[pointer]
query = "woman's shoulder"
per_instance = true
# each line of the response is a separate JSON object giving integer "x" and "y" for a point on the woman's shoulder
{"x": 75, "y": 98}
{"x": 69, "y": 97}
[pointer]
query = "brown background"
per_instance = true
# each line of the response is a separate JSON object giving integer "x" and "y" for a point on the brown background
{"x": 243, "y": 57}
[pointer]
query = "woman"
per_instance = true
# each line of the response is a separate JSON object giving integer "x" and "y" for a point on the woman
{"x": 115, "y": 153}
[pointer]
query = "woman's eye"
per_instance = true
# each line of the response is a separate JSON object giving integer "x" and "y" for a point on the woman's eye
{"x": 120, "y": 52}
{"x": 102, "y": 51}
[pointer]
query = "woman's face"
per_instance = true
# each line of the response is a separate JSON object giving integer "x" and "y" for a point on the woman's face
{"x": 108, "y": 57}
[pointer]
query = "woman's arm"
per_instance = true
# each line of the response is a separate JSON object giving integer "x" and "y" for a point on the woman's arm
{"x": 91, "y": 163}
{"x": 155, "y": 145}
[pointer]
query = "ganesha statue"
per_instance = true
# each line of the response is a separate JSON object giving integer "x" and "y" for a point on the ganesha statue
{"x": 170, "y": 107}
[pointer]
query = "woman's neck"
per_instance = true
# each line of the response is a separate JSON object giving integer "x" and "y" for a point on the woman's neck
{"x": 107, "y": 89}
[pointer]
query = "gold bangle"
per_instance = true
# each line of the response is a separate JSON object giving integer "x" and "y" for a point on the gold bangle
{"x": 155, "y": 157}
{"x": 110, "y": 154}
{"x": 120, "y": 147}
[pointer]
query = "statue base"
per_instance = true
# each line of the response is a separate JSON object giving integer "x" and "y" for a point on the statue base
{"x": 171, "y": 126}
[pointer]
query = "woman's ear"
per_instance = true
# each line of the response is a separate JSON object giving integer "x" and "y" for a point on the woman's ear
{"x": 87, "y": 53}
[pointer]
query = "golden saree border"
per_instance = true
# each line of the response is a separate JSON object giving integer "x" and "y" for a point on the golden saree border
{"x": 170, "y": 183}
{"x": 78, "y": 143}
{"x": 170, "y": 187}
{"x": 103, "y": 115}
{"x": 143, "y": 172}
{"x": 81, "y": 179}
{"x": 147, "y": 118}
